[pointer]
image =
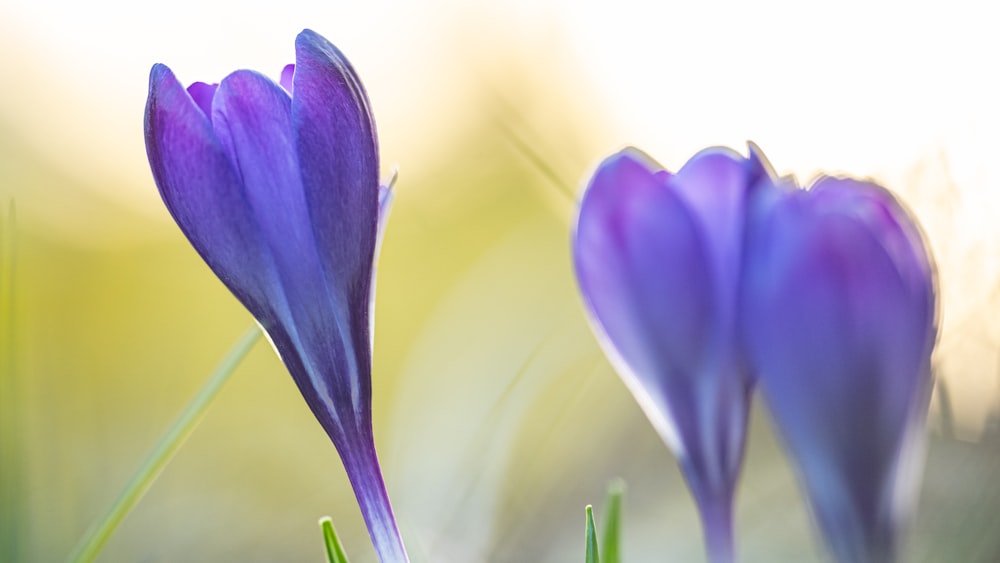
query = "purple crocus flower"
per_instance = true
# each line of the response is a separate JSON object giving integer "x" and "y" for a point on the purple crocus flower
{"x": 658, "y": 258}
{"x": 839, "y": 317}
{"x": 277, "y": 189}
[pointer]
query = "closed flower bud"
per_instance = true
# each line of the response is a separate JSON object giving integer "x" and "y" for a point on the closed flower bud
{"x": 276, "y": 187}
{"x": 839, "y": 320}
{"x": 658, "y": 258}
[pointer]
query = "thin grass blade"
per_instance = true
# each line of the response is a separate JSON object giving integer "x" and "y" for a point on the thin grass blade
{"x": 334, "y": 550}
{"x": 99, "y": 533}
{"x": 610, "y": 539}
{"x": 593, "y": 556}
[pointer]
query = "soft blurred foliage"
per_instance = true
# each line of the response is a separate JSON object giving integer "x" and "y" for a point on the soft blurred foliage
{"x": 497, "y": 417}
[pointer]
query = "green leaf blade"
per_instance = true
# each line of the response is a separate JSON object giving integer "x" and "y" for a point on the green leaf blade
{"x": 334, "y": 550}
{"x": 611, "y": 538}
{"x": 592, "y": 553}
{"x": 163, "y": 451}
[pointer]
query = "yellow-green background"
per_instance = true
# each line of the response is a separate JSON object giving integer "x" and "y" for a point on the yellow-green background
{"x": 497, "y": 416}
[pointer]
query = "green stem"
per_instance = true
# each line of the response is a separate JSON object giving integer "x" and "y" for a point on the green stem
{"x": 90, "y": 545}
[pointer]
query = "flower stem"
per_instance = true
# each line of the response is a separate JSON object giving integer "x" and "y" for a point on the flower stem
{"x": 369, "y": 488}
{"x": 717, "y": 523}
{"x": 99, "y": 533}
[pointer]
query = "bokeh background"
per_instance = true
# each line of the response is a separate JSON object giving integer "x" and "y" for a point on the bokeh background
{"x": 497, "y": 416}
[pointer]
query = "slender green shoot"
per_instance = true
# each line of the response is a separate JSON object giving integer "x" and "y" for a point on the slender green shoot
{"x": 11, "y": 497}
{"x": 334, "y": 551}
{"x": 99, "y": 533}
{"x": 610, "y": 539}
{"x": 592, "y": 552}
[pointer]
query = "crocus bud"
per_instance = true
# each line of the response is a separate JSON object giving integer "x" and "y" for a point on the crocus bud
{"x": 839, "y": 319}
{"x": 658, "y": 258}
{"x": 277, "y": 189}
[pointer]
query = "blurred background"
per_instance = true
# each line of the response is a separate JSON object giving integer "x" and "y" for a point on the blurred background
{"x": 497, "y": 416}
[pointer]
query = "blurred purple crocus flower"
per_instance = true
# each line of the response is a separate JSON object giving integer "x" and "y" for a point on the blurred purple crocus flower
{"x": 839, "y": 316}
{"x": 658, "y": 258}
{"x": 276, "y": 187}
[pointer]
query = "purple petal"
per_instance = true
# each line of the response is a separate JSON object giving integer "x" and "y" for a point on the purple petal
{"x": 338, "y": 155}
{"x": 334, "y": 137}
{"x": 640, "y": 263}
{"x": 286, "y": 81}
{"x": 645, "y": 275}
{"x": 203, "y": 192}
{"x": 252, "y": 116}
{"x": 758, "y": 166}
{"x": 892, "y": 225}
{"x": 202, "y": 95}
{"x": 842, "y": 350}
{"x": 714, "y": 184}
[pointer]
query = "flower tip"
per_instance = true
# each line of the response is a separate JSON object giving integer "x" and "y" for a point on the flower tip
{"x": 162, "y": 83}
{"x": 716, "y": 154}
{"x": 634, "y": 154}
{"x": 307, "y": 35}
{"x": 311, "y": 41}
{"x": 628, "y": 158}
{"x": 625, "y": 170}
{"x": 158, "y": 74}
{"x": 760, "y": 166}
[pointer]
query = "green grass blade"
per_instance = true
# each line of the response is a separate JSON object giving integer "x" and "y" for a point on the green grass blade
{"x": 334, "y": 551}
{"x": 12, "y": 511}
{"x": 90, "y": 545}
{"x": 610, "y": 540}
{"x": 592, "y": 553}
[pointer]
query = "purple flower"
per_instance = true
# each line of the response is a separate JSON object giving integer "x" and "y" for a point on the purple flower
{"x": 839, "y": 317}
{"x": 658, "y": 258}
{"x": 277, "y": 189}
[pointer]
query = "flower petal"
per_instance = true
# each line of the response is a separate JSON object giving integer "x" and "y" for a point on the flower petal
{"x": 334, "y": 136}
{"x": 252, "y": 117}
{"x": 715, "y": 184}
{"x": 202, "y": 94}
{"x": 842, "y": 353}
{"x": 203, "y": 192}
{"x": 893, "y": 227}
{"x": 287, "y": 75}
{"x": 641, "y": 266}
